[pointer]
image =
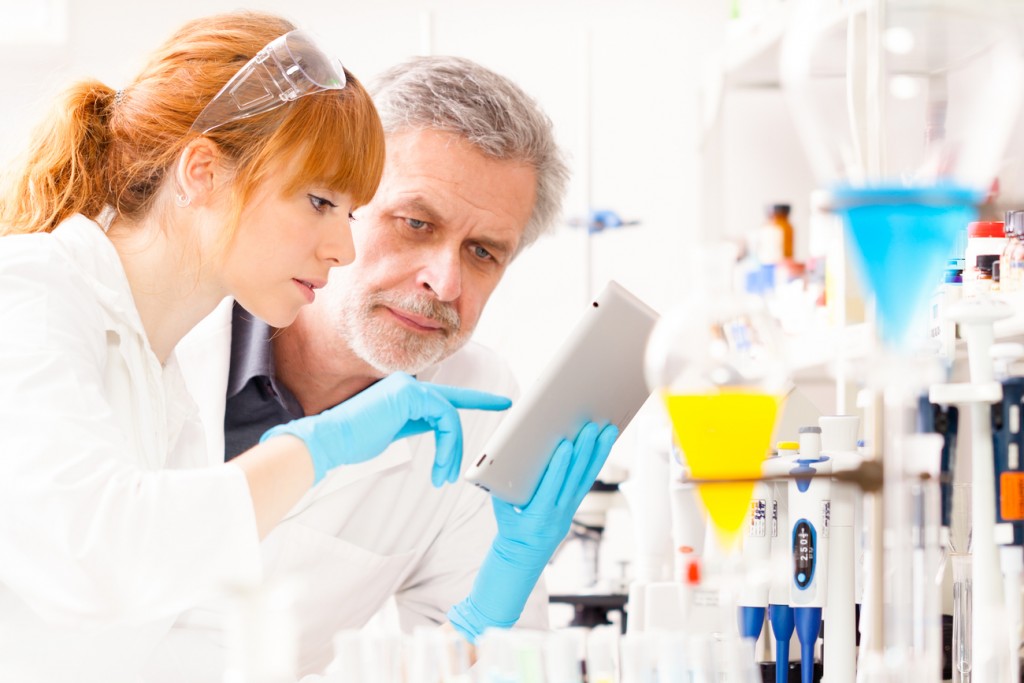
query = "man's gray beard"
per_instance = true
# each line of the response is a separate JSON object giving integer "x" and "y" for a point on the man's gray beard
{"x": 387, "y": 347}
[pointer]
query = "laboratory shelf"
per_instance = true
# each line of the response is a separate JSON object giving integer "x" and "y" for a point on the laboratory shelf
{"x": 748, "y": 59}
{"x": 823, "y": 347}
{"x": 750, "y": 55}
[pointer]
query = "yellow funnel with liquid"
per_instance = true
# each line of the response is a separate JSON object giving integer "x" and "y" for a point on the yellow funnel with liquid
{"x": 717, "y": 360}
{"x": 724, "y": 434}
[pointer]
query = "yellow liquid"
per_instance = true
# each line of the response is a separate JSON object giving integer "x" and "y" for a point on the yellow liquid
{"x": 723, "y": 435}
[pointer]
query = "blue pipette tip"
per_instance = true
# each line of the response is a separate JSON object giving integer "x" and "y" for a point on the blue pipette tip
{"x": 781, "y": 619}
{"x": 751, "y": 620}
{"x": 808, "y": 623}
{"x": 805, "y": 467}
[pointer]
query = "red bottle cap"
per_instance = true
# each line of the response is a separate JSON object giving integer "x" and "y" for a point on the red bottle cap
{"x": 986, "y": 229}
{"x": 693, "y": 573}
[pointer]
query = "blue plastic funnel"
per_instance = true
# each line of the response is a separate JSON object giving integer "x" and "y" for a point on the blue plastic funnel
{"x": 901, "y": 238}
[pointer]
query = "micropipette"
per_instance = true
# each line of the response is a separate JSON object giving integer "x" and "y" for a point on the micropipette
{"x": 809, "y": 511}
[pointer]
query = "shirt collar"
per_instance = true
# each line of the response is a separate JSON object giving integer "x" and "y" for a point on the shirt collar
{"x": 252, "y": 354}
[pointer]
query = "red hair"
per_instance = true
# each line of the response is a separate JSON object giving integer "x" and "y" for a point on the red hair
{"x": 93, "y": 153}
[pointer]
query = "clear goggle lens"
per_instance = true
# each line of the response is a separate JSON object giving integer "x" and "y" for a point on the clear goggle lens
{"x": 289, "y": 67}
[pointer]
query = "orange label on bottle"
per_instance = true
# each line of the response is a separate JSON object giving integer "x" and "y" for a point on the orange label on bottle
{"x": 1011, "y": 496}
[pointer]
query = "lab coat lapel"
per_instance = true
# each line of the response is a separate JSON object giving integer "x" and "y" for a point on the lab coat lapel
{"x": 136, "y": 375}
{"x": 205, "y": 358}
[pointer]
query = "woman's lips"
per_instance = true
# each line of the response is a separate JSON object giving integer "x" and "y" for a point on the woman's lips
{"x": 307, "y": 287}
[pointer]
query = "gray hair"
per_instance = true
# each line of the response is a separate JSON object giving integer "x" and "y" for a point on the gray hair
{"x": 491, "y": 112}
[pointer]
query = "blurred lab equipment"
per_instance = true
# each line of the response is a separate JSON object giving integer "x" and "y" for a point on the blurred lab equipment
{"x": 839, "y": 442}
{"x": 716, "y": 363}
{"x": 260, "y": 634}
{"x": 901, "y": 136}
{"x": 600, "y": 220}
{"x": 773, "y": 242}
{"x": 597, "y": 597}
{"x": 809, "y": 512}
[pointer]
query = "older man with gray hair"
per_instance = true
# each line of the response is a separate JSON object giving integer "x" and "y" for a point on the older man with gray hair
{"x": 472, "y": 176}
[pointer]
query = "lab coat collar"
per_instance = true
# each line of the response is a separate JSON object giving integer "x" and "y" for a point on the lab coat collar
{"x": 97, "y": 260}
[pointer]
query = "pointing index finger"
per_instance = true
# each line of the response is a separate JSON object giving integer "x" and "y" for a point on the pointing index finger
{"x": 471, "y": 398}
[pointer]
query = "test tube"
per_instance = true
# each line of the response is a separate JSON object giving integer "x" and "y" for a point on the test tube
{"x": 639, "y": 657}
{"x": 494, "y": 657}
{"x": 602, "y": 655}
{"x": 438, "y": 657}
{"x": 960, "y": 557}
{"x": 261, "y": 643}
{"x": 563, "y": 656}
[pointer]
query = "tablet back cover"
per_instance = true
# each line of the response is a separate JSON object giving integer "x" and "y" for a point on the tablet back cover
{"x": 596, "y": 375}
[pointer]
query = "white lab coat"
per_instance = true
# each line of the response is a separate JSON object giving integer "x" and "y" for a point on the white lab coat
{"x": 106, "y": 534}
{"x": 365, "y": 534}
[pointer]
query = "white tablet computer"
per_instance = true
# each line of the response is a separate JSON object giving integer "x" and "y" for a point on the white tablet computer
{"x": 597, "y": 375}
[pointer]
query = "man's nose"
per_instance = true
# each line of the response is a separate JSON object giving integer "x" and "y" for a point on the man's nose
{"x": 442, "y": 274}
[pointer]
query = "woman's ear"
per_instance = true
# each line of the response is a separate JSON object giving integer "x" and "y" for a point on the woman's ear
{"x": 199, "y": 171}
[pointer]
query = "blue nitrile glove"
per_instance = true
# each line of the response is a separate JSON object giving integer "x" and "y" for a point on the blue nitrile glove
{"x": 398, "y": 406}
{"x": 528, "y": 537}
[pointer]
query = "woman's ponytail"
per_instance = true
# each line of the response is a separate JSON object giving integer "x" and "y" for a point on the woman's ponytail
{"x": 65, "y": 169}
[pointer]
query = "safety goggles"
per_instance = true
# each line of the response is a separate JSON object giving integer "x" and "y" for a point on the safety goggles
{"x": 289, "y": 67}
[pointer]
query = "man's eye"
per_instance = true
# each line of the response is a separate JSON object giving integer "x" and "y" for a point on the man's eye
{"x": 320, "y": 204}
{"x": 482, "y": 253}
{"x": 415, "y": 223}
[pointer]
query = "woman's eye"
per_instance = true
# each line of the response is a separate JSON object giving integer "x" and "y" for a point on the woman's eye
{"x": 320, "y": 204}
{"x": 415, "y": 223}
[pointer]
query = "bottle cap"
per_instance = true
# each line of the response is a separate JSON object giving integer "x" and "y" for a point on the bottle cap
{"x": 809, "y": 430}
{"x": 776, "y": 209}
{"x": 986, "y": 229}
